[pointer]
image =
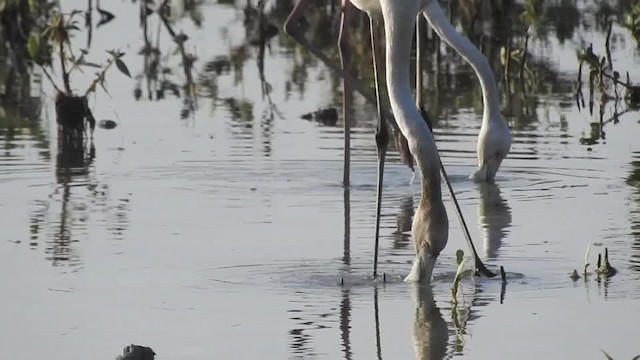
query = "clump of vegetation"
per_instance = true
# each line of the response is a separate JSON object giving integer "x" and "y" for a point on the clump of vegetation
{"x": 604, "y": 268}
{"x": 602, "y": 76}
{"x": 599, "y": 70}
{"x": 607, "y": 84}
{"x": 157, "y": 73}
{"x": 510, "y": 57}
{"x": 72, "y": 110}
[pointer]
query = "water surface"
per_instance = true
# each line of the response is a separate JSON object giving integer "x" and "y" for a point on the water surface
{"x": 227, "y": 233}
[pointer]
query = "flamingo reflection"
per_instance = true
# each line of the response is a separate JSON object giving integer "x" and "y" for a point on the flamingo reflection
{"x": 494, "y": 218}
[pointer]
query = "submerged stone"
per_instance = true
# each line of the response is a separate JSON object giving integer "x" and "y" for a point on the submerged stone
{"x": 107, "y": 124}
{"x": 136, "y": 352}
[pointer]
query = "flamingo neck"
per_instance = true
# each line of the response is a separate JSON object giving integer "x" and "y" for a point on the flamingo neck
{"x": 399, "y": 36}
{"x": 490, "y": 98}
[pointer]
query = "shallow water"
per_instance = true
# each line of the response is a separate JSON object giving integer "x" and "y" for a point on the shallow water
{"x": 219, "y": 236}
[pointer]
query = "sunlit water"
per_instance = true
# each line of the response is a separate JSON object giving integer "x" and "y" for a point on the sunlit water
{"x": 211, "y": 237}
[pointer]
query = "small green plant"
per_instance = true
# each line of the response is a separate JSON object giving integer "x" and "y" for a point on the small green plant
{"x": 575, "y": 276}
{"x": 459, "y": 273}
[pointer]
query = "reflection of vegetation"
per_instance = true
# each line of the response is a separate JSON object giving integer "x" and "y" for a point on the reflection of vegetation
{"x": 156, "y": 71}
{"x": 505, "y": 28}
{"x": 632, "y": 20}
{"x": 21, "y": 121}
{"x": 19, "y": 21}
{"x": 602, "y": 80}
{"x": 633, "y": 180}
{"x": 461, "y": 314}
{"x": 74, "y": 169}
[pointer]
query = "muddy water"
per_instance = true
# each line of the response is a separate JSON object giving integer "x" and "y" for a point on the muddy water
{"x": 226, "y": 236}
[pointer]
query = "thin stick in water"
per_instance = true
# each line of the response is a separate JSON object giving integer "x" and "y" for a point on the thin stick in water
{"x": 480, "y": 267}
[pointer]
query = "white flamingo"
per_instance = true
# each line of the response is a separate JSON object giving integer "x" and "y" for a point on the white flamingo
{"x": 430, "y": 226}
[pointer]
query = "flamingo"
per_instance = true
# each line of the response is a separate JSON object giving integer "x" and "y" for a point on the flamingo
{"x": 430, "y": 225}
{"x": 494, "y": 138}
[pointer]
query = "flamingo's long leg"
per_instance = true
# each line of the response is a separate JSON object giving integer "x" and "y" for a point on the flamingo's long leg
{"x": 382, "y": 140}
{"x": 347, "y": 98}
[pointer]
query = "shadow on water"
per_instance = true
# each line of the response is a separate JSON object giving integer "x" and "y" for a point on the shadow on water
{"x": 494, "y": 218}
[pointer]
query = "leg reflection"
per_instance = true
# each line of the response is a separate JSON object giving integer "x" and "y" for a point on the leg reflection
{"x": 345, "y": 323}
{"x": 377, "y": 320}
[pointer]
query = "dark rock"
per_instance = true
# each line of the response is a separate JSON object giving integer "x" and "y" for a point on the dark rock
{"x": 327, "y": 117}
{"x": 633, "y": 97}
{"x": 107, "y": 124}
{"x": 136, "y": 352}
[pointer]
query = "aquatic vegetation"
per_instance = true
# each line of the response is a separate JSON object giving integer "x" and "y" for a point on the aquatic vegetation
{"x": 72, "y": 110}
{"x": 575, "y": 276}
{"x": 157, "y": 73}
{"x": 603, "y": 268}
{"x": 533, "y": 12}
{"x": 602, "y": 77}
{"x": 607, "y": 84}
{"x": 632, "y": 20}
{"x": 20, "y": 20}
